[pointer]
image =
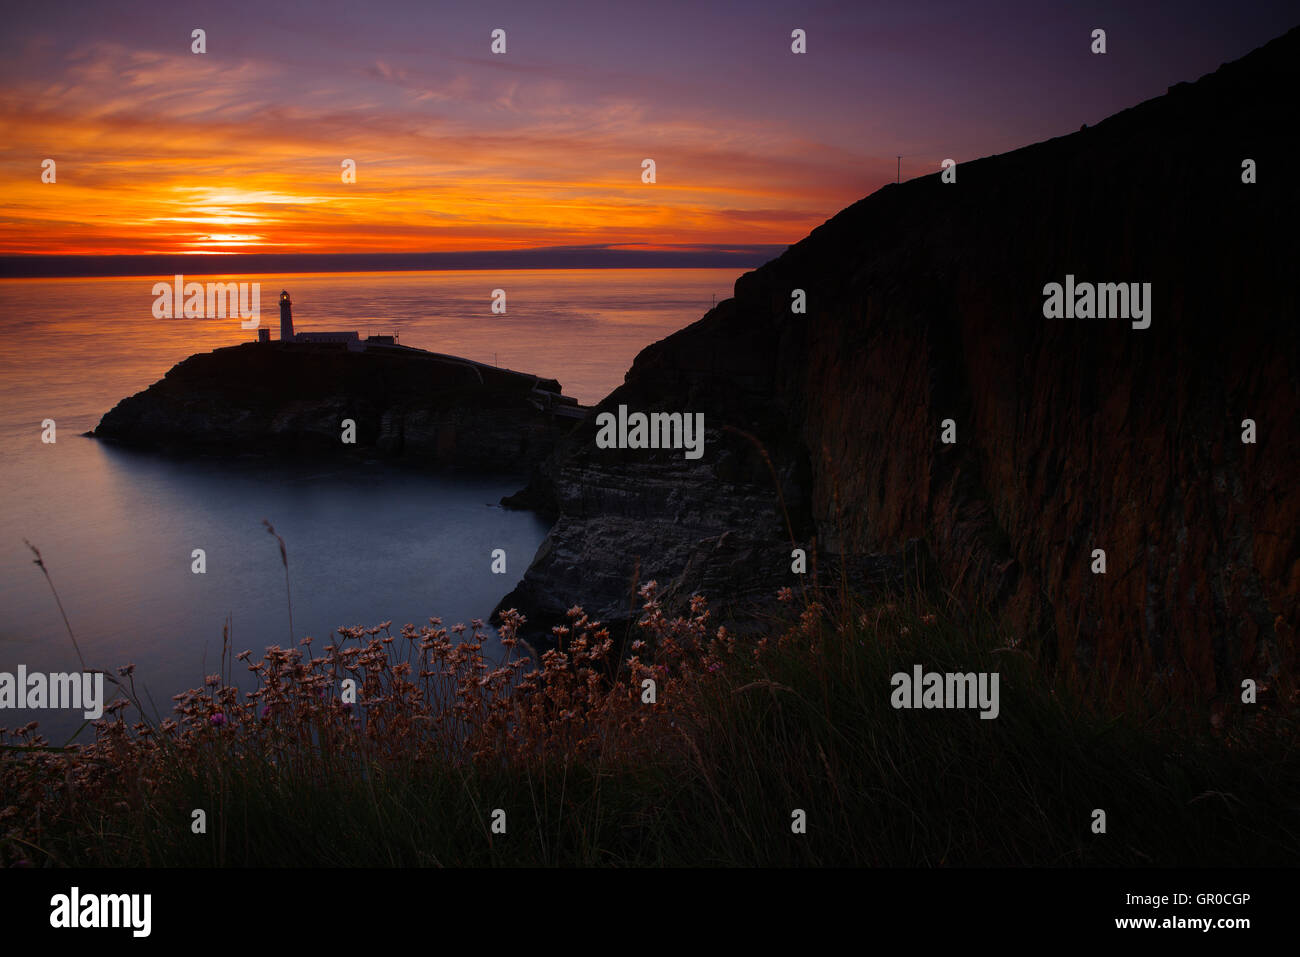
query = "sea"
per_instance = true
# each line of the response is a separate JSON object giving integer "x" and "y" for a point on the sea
{"x": 366, "y": 543}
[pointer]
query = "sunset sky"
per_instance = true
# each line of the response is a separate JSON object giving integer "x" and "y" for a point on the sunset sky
{"x": 160, "y": 150}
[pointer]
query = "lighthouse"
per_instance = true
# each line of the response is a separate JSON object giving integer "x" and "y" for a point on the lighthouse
{"x": 286, "y": 317}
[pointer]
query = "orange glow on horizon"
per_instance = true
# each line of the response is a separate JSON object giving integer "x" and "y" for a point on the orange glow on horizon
{"x": 172, "y": 162}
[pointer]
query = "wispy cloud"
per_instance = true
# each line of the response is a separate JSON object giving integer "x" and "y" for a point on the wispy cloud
{"x": 159, "y": 151}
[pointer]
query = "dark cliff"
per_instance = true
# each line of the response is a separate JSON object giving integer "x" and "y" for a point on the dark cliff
{"x": 925, "y": 303}
{"x": 282, "y": 398}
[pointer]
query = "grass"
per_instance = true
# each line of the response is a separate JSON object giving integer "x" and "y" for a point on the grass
{"x": 740, "y": 736}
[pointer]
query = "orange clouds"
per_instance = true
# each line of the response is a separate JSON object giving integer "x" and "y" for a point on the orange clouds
{"x": 181, "y": 153}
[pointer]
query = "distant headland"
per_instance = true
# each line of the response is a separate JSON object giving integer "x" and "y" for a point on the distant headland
{"x": 596, "y": 256}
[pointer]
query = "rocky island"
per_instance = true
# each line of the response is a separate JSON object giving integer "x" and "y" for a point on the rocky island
{"x": 295, "y": 396}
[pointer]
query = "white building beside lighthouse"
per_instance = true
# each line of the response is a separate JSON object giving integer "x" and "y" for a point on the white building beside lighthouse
{"x": 349, "y": 338}
{"x": 287, "y": 334}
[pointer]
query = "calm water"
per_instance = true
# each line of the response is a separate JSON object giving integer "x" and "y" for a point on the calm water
{"x": 366, "y": 543}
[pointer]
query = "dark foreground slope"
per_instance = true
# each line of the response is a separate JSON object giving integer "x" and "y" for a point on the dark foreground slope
{"x": 293, "y": 398}
{"x": 925, "y": 303}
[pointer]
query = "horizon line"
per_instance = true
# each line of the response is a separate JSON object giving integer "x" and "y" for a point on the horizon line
{"x": 689, "y": 256}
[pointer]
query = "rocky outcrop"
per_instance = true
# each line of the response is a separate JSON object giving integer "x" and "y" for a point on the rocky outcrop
{"x": 292, "y": 398}
{"x": 925, "y": 302}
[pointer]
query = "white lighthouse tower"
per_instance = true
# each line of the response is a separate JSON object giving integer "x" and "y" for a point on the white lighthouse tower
{"x": 286, "y": 317}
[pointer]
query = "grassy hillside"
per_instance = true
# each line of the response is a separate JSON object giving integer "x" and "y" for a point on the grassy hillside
{"x": 711, "y": 773}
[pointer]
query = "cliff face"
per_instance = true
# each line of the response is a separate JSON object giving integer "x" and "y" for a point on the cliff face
{"x": 926, "y": 303}
{"x": 292, "y": 398}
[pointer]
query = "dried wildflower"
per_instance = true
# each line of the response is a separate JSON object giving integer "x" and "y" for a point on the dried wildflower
{"x": 218, "y": 719}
